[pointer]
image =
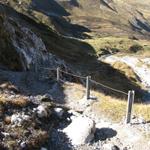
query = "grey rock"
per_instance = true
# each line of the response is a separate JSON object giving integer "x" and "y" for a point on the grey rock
{"x": 81, "y": 130}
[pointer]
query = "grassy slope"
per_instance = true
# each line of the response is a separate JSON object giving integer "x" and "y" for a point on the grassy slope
{"x": 105, "y": 22}
{"x": 122, "y": 44}
{"x": 90, "y": 15}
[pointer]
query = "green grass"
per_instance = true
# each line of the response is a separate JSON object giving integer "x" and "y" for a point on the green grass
{"x": 123, "y": 44}
{"x": 110, "y": 42}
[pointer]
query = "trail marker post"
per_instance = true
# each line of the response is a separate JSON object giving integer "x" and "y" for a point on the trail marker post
{"x": 58, "y": 74}
{"x": 130, "y": 102}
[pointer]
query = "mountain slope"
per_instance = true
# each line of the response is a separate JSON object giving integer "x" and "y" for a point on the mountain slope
{"x": 33, "y": 41}
{"x": 82, "y": 19}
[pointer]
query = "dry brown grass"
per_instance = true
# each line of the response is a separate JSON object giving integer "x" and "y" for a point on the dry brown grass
{"x": 125, "y": 69}
{"x": 18, "y": 102}
{"x": 142, "y": 110}
{"x": 115, "y": 109}
{"x": 108, "y": 107}
{"x": 35, "y": 141}
{"x": 111, "y": 108}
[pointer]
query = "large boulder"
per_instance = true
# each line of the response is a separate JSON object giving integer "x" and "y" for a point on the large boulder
{"x": 81, "y": 130}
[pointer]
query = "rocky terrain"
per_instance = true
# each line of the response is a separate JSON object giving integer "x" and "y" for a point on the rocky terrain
{"x": 44, "y": 121}
{"x": 106, "y": 39}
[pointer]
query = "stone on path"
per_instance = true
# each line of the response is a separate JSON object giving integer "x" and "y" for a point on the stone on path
{"x": 81, "y": 130}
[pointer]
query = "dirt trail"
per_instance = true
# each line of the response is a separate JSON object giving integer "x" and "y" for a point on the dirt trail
{"x": 133, "y": 136}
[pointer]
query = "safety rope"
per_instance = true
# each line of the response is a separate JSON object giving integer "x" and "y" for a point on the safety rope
{"x": 93, "y": 81}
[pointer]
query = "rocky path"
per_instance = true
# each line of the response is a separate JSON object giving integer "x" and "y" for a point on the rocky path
{"x": 109, "y": 134}
{"x": 62, "y": 112}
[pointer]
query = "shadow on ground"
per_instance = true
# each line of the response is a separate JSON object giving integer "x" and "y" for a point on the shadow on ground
{"x": 104, "y": 133}
{"x": 60, "y": 141}
{"x": 29, "y": 84}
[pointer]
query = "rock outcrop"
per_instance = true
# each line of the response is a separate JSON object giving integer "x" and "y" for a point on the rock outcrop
{"x": 22, "y": 49}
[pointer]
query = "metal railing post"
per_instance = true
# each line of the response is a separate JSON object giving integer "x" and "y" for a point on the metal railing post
{"x": 58, "y": 74}
{"x": 131, "y": 95}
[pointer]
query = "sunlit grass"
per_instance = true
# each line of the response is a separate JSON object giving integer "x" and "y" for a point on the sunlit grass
{"x": 122, "y": 44}
{"x": 111, "y": 108}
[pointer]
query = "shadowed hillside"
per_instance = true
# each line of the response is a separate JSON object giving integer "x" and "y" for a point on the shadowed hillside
{"x": 103, "y": 18}
{"x": 79, "y": 55}
{"x": 50, "y": 7}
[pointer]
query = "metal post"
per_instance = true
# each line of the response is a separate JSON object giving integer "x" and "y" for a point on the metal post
{"x": 129, "y": 106}
{"x": 88, "y": 87}
{"x": 133, "y": 95}
{"x": 58, "y": 74}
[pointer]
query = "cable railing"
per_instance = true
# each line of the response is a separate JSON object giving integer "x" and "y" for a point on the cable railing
{"x": 107, "y": 87}
{"x": 130, "y": 94}
{"x": 83, "y": 77}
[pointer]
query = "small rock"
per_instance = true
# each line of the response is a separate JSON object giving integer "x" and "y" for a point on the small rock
{"x": 5, "y": 134}
{"x": 46, "y": 97}
{"x": 20, "y": 2}
{"x": 138, "y": 120}
{"x": 110, "y": 146}
{"x": 42, "y": 111}
{"x": 114, "y": 147}
{"x": 141, "y": 120}
{"x": 23, "y": 145}
{"x": 7, "y": 120}
{"x": 43, "y": 148}
{"x": 11, "y": 97}
{"x": 107, "y": 146}
{"x": 59, "y": 112}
